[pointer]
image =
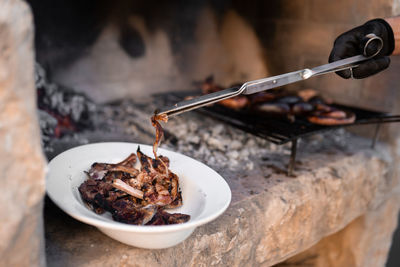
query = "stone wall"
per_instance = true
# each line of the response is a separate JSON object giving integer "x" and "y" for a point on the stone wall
{"x": 294, "y": 34}
{"x": 300, "y": 33}
{"x": 21, "y": 160}
{"x": 364, "y": 242}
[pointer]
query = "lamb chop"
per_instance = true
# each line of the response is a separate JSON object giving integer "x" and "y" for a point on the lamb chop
{"x": 99, "y": 170}
{"x": 134, "y": 196}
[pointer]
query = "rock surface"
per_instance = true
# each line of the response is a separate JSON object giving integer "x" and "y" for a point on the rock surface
{"x": 21, "y": 159}
{"x": 271, "y": 218}
{"x": 365, "y": 242}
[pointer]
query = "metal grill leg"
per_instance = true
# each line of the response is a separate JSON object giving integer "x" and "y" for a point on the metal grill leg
{"x": 376, "y": 135}
{"x": 292, "y": 161}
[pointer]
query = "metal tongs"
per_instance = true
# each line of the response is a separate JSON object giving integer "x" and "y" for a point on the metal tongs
{"x": 256, "y": 86}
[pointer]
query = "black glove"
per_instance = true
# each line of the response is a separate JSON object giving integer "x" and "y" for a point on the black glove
{"x": 352, "y": 43}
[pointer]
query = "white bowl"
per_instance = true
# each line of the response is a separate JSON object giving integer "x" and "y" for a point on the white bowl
{"x": 205, "y": 193}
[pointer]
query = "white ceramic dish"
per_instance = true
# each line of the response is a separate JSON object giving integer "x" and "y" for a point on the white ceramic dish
{"x": 205, "y": 193}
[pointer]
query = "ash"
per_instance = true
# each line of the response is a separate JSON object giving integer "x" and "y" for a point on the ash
{"x": 62, "y": 111}
{"x": 216, "y": 144}
{"x": 63, "y": 101}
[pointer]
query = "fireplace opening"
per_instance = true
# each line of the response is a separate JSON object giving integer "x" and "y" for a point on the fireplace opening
{"x": 100, "y": 53}
{"x": 101, "y": 68}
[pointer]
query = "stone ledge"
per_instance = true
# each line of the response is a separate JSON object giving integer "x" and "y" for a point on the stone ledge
{"x": 284, "y": 217}
{"x": 364, "y": 242}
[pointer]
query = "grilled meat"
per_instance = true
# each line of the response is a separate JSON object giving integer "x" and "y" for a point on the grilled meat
{"x": 333, "y": 117}
{"x": 121, "y": 185}
{"x": 99, "y": 170}
{"x": 128, "y": 212}
{"x": 134, "y": 196}
{"x": 305, "y": 104}
{"x": 159, "y": 130}
{"x": 237, "y": 102}
{"x": 162, "y": 217}
{"x": 274, "y": 108}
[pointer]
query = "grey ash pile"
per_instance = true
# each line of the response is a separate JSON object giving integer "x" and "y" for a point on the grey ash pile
{"x": 217, "y": 144}
{"x": 62, "y": 111}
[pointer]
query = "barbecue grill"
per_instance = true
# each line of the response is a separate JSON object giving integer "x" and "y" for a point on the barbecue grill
{"x": 278, "y": 129}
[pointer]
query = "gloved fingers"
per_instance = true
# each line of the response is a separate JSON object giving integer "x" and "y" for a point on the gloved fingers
{"x": 366, "y": 69}
{"x": 346, "y": 74}
{"x": 370, "y": 67}
{"x": 352, "y": 43}
{"x": 381, "y": 28}
{"x": 344, "y": 47}
{"x": 343, "y": 51}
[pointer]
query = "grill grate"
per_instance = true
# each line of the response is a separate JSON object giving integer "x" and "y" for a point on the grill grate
{"x": 280, "y": 130}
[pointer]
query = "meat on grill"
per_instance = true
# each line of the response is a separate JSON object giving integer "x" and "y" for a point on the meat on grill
{"x": 304, "y": 104}
{"x": 237, "y": 102}
{"x": 332, "y": 117}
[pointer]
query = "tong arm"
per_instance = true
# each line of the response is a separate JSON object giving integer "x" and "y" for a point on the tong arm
{"x": 273, "y": 82}
{"x": 343, "y": 64}
{"x": 200, "y": 101}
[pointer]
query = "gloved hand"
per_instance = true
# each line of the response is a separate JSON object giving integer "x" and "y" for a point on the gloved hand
{"x": 352, "y": 43}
